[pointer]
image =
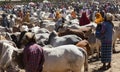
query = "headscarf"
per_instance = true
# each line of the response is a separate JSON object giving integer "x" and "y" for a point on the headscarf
{"x": 73, "y": 14}
{"x": 109, "y": 17}
{"x": 27, "y": 17}
{"x": 58, "y": 15}
{"x": 99, "y": 18}
{"x": 84, "y": 19}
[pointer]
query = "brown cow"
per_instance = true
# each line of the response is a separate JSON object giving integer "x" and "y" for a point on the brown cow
{"x": 72, "y": 31}
{"x": 85, "y": 45}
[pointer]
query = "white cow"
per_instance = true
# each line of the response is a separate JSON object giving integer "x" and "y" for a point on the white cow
{"x": 6, "y": 52}
{"x": 55, "y": 40}
{"x": 65, "y": 58}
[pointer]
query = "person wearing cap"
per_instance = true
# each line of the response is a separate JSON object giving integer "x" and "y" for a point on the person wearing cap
{"x": 106, "y": 40}
{"x": 27, "y": 17}
{"x": 33, "y": 56}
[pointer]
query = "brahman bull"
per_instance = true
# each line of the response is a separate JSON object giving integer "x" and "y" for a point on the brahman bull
{"x": 6, "y": 59}
{"x": 72, "y": 32}
{"x": 55, "y": 40}
{"x": 64, "y": 59}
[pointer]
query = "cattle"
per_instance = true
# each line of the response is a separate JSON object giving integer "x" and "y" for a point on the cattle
{"x": 95, "y": 44}
{"x": 24, "y": 28}
{"x": 4, "y": 29}
{"x": 85, "y": 45}
{"x": 38, "y": 30}
{"x": 55, "y": 40}
{"x": 6, "y": 59}
{"x": 47, "y": 24}
{"x": 85, "y": 29}
{"x": 64, "y": 58}
{"x": 42, "y": 38}
{"x": 116, "y": 34}
{"x": 71, "y": 32}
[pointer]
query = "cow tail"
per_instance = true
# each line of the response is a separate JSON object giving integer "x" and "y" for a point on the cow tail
{"x": 86, "y": 60}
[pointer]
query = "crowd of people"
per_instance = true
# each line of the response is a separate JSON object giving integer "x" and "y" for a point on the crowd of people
{"x": 85, "y": 13}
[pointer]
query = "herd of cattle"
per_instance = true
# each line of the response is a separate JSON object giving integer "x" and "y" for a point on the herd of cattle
{"x": 66, "y": 50}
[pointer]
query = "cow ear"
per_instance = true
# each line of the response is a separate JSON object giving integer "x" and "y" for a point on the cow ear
{"x": 18, "y": 51}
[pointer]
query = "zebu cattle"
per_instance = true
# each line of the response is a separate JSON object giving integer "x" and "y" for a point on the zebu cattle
{"x": 71, "y": 32}
{"x": 6, "y": 52}
{"x": 85, "y": 45}
{"x": 24, "y": 28}
{"x": 42, "y": 38}
{"x": 117, "y": 17}
{"x": 38, "y": 30}
{"x": 82, "y": 32}
{"x": 95, "y": 44}
{"x": 55, "y": 40}
{"x": 49, "y": 25}
{"x": 4, "y": 29}
{"x": 65, "y": 58}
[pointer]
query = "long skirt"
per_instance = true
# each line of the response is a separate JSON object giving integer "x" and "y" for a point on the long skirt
{"x": 106, "y": 51}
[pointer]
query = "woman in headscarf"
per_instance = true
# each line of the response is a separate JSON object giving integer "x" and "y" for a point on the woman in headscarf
{"x": 98, "y": 18}
{"x": 27, "y": 17}
{"x": 58, "y": 15}
{"x": 84, "y": 20}
{"x": 33, "y": 56}
{"x": 106, "y": 40}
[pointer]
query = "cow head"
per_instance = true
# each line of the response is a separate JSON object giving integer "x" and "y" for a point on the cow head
{"x": 17, "y": 58}
{"x": 51, "y": 36}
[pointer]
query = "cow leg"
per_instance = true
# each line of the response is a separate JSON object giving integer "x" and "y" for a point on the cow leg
{"x": 114, "y": 51}
{"x": 98, "y": 52}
